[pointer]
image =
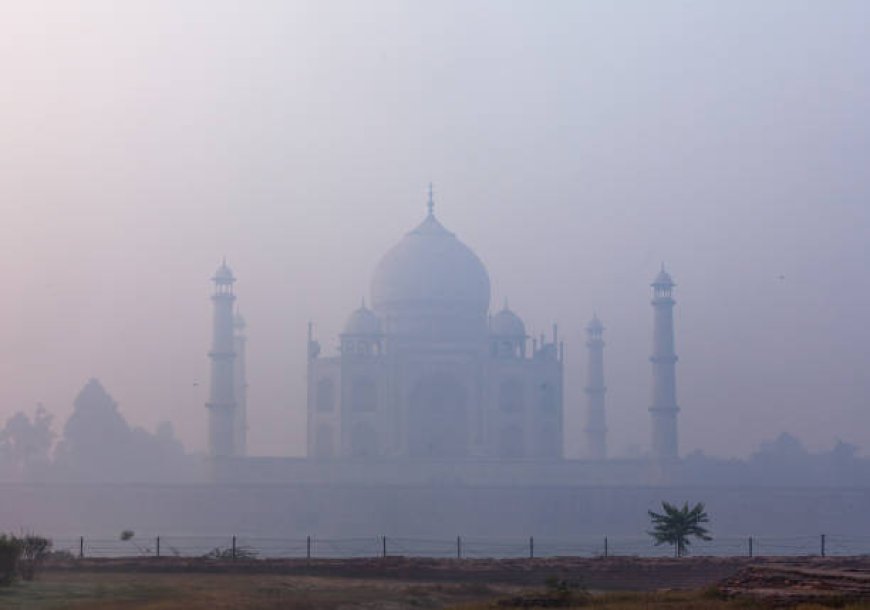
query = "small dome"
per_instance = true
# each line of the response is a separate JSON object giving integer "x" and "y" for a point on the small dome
{"x": 363, "y": 322}
{"x": 430, "y": 268}
{"x": 507, "y": 324}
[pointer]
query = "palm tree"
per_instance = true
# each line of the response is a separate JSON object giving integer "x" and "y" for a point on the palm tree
{"x": 676, "y": 525}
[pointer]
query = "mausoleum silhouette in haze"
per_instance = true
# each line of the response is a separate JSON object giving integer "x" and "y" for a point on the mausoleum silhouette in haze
{"x": 427, "y": 373}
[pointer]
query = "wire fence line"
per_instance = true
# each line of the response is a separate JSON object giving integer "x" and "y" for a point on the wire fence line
{"x": 311, "y": 547}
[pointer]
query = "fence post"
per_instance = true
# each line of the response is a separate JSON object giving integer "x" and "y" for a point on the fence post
{"x": 750, "y": 546}
{"x": 308, "y": 548}
{"x": 81, "y": 547}
{"x": 605, "y": 547}
{"x": 158, "y": 546}
{"x": 823, "y": 545}
{"x": 385, "y": 545}
{"x": 459, "y": 547}
{"x": 234, "y": 548}
{"x": 531, "y": 547}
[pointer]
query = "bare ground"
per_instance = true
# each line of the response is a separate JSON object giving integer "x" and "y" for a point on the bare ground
{"x": 613, "y": 573}
{"x": 618, "y": 583}
{"x": 831, "y": 581}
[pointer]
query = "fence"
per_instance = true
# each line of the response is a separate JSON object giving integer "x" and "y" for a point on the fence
{"x": 235, "y": 547}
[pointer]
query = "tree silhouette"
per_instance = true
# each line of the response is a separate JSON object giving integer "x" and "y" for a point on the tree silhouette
{"x": 25, "y": 443}
{"x": 99, "y": 445}
{"x": 676, "y": 525}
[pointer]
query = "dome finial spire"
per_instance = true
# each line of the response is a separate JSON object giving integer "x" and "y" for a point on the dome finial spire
{"x": 430, "y": 204}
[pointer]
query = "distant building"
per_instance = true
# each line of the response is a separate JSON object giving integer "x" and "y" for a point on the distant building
{"x": 240, "y": 386}
{"x": 223, "y": 418}
{"x": 426, "y": 373}
{"x": 664, "y": 407}
{"x": 596, "y": 426}
{"x": 427, "y": 377}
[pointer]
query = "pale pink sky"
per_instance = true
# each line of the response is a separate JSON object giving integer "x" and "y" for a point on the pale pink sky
{"x": 573, "y": 145}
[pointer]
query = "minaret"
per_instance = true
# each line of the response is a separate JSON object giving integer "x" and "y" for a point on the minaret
{"x": 222, "y": 399}
{"x": 664, "y": 407}
{"x": 240, "y": 385}
{"x": 596, "y": 428}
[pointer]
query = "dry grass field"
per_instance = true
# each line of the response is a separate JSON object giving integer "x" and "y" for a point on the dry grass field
{"x": 423, "y": 584}
{"x": 198, "y": 591}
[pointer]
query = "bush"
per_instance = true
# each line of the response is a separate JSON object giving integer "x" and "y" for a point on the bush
{"x": 10, "y": 551}
{"x": 22, "y": 556}
{"x": 34, "y": 550}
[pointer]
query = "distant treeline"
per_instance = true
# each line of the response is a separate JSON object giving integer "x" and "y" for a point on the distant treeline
{"x": 97, "y": 444}
{"x": 780, "y": 462}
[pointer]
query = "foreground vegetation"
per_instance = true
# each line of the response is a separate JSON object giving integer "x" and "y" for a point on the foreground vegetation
{"x": 22, "y": 556}
{"x": 199, "y": 591}
{"x": 173, "y": 591}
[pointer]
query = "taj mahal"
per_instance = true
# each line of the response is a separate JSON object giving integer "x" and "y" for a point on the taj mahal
{"x": 427, "y": 373}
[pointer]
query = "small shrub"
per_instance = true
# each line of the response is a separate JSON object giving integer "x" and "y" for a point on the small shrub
{"x": 566, "y": 589}
{"x": 10, "y": 551}
{"x": 713, "y": 592}
{"x": 560, "y": 593}
{"x": 34, "y": 550}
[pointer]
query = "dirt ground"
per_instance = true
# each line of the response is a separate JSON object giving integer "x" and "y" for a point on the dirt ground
{"x": 397, "y": 583}
{"x": 810, "y": 580}
{"x": 76, "y": 590}
{"x": 614, "y": 573}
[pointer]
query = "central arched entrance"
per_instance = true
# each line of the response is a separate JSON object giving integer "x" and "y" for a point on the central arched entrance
{"x": 438, "y": 418}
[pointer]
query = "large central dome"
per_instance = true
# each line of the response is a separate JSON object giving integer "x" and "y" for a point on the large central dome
{"x": 429, "y": 269}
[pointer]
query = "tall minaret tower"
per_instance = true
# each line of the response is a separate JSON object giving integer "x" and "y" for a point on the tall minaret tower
{"x": 664, "y": 407}
{"x": 596, "y": 427}
{"x": 222, "y": 399}
{"x": 240, "y": 385}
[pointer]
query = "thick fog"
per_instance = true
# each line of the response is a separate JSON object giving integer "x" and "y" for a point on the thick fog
{"x": 573, "y": 145}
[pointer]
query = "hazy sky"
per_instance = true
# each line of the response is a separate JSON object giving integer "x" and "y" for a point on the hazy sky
{"x": 573, "y": 145}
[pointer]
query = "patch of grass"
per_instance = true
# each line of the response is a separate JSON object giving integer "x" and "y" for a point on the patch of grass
{"x": 209, "y": 591}
{"x": 80, "y": 590}
{"x": 235, "y": 591}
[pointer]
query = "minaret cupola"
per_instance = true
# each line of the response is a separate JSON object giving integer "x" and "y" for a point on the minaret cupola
{"x": 223, "y": 279}
{"x": 663, "y": 284}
